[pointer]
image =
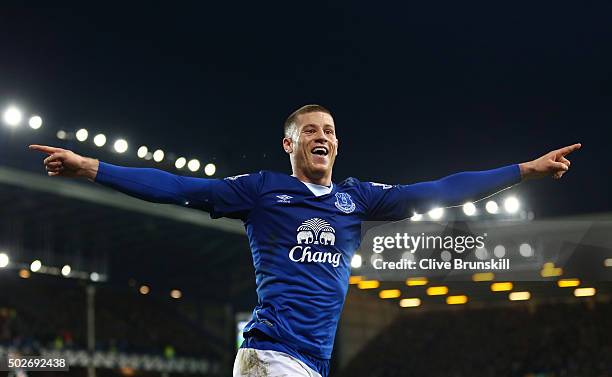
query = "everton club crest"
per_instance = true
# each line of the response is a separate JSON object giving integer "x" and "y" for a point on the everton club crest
{"x": 344, "y": 202}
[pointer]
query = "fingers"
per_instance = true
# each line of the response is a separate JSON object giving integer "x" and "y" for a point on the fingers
{"x": 560, "y": 167}
{"x": 565, "y": 161}
{"x": 54, "y": 168}
{"x": 53, "y": 157}
{"x": 569, "y": 149}
{"x": 44, "y": 148}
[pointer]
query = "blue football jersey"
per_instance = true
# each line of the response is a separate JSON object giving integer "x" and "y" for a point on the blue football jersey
{"x": 302, "y": 244}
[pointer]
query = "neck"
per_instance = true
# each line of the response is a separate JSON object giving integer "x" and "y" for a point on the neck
{"x": 323, "y": 181}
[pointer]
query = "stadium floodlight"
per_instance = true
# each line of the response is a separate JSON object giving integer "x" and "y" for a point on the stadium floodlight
{"x": 24, "y": 274}
{"x": 120, "y": 145}
{"x": 565, "y": 283}
{"x": 356, "y": 261}
{"x": 176, "y": 294}
{"x": 158, "y": 155}
{"x": 82, "y": 135}
{"x": 210, "y": 169}
{"x": 481, "y": 253}
{"x": 99, "y": 140}
{"x": 456, "y": 300}
{"x": 4, "y": 260}
{"x": 549, "y": 270}
{"x": 193, "y": 165}
{"x": 389, "y": 293}
{"x": 35, "y": 122}
{"x": 410, "y": 302}
{"x": 180, "y": 162}
{"x": 355, "y": 279}
{"x": 526, "y": 250}
{"x": 408, "y": 255}
{"x": 417, "y": 281}
{"x": 483, "y": 276}
{"x": 368, "y": 284}
{"x": 608, "y": 262}
{"x": 66, "y": 270}
{"x": 142, "y": 152}
{"x": 12, "y": 116}
{"x": 446, "y": 255}
{"x": 584, "y": 292}
{"x": 469, "y": 209}
{"x": 519, "y": 296}
{"x": 437, "y": 291}
{"x": 144, "y": 290}
{"x": 416, "y": 217}
{"x": 94, "y": 276}
{"x": 436, "y": 213}
{"x": 499, "y": 251}
{"x": 511, "y": 204}
{"x": 492, "y": 207}
{"x": 502, "y": 286}
{"x": 61, "y": 134}
{"x": 36, "y": 265}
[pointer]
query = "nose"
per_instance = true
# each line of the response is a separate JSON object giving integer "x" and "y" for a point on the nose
{"x": 321, "y": 137}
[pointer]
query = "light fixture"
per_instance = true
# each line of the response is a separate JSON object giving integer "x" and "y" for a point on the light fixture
{"x": 82, "y": 134}
{"x": 12, "y": 116}
{"x": 35, "y": 122}
{"x": 99, "y": 140}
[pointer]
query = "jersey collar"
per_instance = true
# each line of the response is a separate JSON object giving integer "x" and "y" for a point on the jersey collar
{"x": 334, "y": 188}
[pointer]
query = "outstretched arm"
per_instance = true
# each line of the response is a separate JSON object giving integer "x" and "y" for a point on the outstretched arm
{"x": 144, "y": 183}
{"x": 403, "y": 200}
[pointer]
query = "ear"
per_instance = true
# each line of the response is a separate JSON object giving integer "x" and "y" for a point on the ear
{"x": 288, "y": 145}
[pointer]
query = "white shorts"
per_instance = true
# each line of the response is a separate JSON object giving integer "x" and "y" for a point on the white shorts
{"x": 251, "y": 362}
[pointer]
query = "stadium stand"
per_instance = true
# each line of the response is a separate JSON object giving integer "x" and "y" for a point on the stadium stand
{"x": 516, "y": 340}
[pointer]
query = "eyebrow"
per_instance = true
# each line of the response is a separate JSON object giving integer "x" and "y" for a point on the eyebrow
{"x": 314, "y": 125}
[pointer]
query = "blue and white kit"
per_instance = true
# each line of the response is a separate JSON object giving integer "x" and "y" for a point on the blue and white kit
{"x": 302, "y": 243}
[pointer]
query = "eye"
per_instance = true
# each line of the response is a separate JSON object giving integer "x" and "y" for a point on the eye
{"x": 329, "y": 132}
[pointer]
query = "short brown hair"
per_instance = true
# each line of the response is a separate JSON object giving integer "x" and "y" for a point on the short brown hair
{"x": 302, "y": 110}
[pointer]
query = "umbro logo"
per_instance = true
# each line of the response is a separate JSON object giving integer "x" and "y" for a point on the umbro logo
{"x": 284, "y": 198}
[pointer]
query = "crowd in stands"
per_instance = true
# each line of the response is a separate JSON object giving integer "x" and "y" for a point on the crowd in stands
{"x": 48, "y": 314}
{"x": 520, "y": 340}
{"x": 561, "y": 340}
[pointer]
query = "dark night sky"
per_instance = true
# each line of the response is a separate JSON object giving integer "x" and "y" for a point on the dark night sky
{"x": 418, "y": 91}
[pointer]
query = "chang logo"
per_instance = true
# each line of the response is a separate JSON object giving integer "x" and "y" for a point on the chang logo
{"x": 315, "y": 231}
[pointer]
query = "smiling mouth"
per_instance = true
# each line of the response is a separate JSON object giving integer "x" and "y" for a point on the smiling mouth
{"x": 319, "y": 151}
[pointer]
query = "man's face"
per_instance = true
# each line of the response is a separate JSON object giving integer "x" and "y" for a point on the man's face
{"x": 313, "y": 145}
